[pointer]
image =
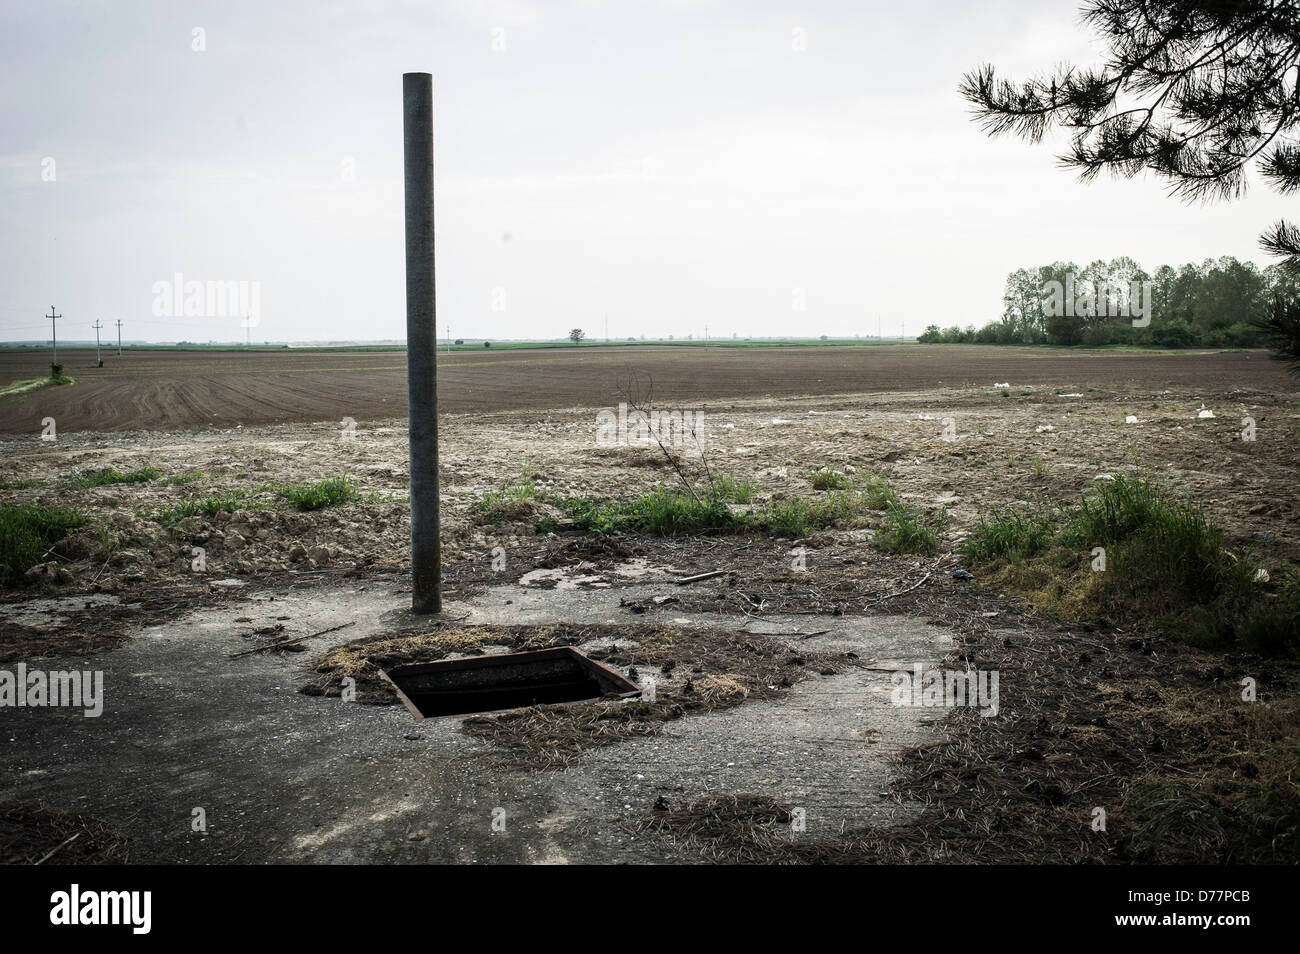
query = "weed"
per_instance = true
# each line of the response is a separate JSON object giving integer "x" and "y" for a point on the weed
{"x": 26, "y": 534}
{"x": 329, "y": 492}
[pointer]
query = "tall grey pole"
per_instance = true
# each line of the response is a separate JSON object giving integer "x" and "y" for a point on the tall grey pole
{"x": 421, "y": 342}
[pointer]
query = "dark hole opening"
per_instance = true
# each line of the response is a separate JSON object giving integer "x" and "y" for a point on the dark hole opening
{"x": 507, "y": 681}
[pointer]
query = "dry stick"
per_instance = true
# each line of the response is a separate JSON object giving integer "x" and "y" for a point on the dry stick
{"x": 704, "y": 463}
{"x": 66, "y": 841}
{"x": 289, "y": 639}
{"x": 681, "y": 581}
{"x": 681, "y": 474}
{"x": 101, "y": 570}
{"x": 890, "y": 596}
{"x": 800, "y": 633}
{"x": 634, "y": 403}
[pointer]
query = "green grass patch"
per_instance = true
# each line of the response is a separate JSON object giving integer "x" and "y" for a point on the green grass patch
{"x": 661, "y": 513}
{"x": 878, "y": 493}
{"x": 732, "y": 489}
{"x": 797, "y": 516}
{"x": 1009, "y": 535}
{"x": 26, "y": 534}
{"x": 512, "y": 500}
{"x": 33, "y": 384}
{"x": 189, "y": 477}
{"x": 908, "y": 530}
{"x": 1130, "y": 552}
{"x": 223, "y": 501}
{"x": 329, "y": 492}
{"x": 21, "y": 483}
{"x": 827, "y": 479}
{"x": 665, "y": 512}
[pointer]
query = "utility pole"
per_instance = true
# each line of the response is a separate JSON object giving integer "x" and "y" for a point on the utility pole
{"x": 54, "y": 341}
{"x": 421, "y": 342}
{"x": 119, "y": 337}
{"x": 99, "y": 359}
{"x": 706, "y": 337}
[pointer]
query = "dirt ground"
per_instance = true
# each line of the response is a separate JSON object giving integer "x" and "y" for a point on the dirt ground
{"x": 159, "y": 390}
{"x": 1038, "y": 443}
{"x": 1039, "y": 429}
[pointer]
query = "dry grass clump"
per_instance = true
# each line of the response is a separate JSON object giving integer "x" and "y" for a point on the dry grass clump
{"x": 727, "y": 688}
{"x": 732, "y": 828}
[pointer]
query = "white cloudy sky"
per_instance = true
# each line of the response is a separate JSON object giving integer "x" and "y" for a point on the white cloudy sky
{"x": 669, "y": 164}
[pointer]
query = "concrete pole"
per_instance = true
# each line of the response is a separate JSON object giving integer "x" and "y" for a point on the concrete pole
{"x": 421, "y": 342}
{"x": 54, "y": 339}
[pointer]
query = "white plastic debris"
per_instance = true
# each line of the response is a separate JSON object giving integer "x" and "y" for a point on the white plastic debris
{"x": 1204, "y": 412}
{"x": 1261, "y": 575}
{"x": 1131, "y": 419}
{"x": 1007, "y": 385}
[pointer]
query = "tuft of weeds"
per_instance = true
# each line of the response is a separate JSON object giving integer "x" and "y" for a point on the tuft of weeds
{"x": 510, "y": 501}
{"x": 1162, "y": 553}
{"x": 107, "y": 477}
{"x": 878, "y": 493}
{"x": 665, "y": 512}
{"x": 1165, "y": 565}
{"x": 177, "y": 480}
{"x": 227, "y": 501}
{"x": 662, "y": 512}
{"x": 800, "y": 515}
{"x": 1009, "y": 535}
{"x": 21, "y": 483}
{"x": 732, "y": 489}
{"x": 26, "y": 534}
{"x": 827, "y": 479}
{"x": 329, "y": 492}
{"x": 907, "y": 530}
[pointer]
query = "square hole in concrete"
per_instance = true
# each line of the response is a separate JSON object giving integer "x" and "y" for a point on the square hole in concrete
{"x": 504, "y": 681}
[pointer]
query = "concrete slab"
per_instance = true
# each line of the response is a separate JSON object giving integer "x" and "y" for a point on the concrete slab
{"x": 286, "y": 777}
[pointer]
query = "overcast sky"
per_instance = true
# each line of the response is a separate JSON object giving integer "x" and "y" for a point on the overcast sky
{"x": 666, "y": 165}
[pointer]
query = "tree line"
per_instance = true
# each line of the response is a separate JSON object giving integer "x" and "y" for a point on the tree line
{"x": 1218, "y": 304}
